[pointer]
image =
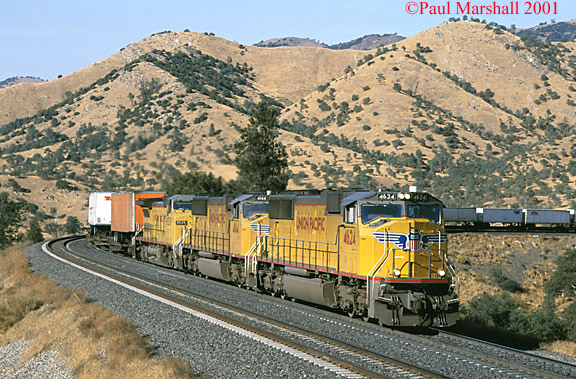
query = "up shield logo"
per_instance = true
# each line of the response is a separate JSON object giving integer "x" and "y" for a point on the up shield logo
{"x": 260, "y": 228}
{"x": 415, "y": 241}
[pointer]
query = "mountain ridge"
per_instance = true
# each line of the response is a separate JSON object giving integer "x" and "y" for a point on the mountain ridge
{"x": 367, "y": 42}
{"x": 465, "y": 110}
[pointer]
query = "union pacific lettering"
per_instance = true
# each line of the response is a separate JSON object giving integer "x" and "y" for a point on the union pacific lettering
{"x": 217, "y": 218}
{"x": 311, "y": 223}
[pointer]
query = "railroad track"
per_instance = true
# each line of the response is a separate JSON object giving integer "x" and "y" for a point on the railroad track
{"x": 343, "y": 359}
{"x": 541, "y": 366}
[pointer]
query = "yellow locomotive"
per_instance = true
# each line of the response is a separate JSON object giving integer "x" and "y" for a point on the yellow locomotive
{"x": 375, "y": 254}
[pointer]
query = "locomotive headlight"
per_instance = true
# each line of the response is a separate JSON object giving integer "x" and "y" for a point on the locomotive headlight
{"x": 442, "y": 273}
{"x": 407, "y": 196}
{"x": 401, "y": 196}
{"x": 396, "y": 272}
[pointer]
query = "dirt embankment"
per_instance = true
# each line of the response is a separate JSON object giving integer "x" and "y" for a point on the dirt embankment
{"x": 44, "y": 318}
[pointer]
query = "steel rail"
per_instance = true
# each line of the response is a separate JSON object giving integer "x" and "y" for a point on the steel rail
{"x": 510, "y": 349}
{"x": 401, "y": 368}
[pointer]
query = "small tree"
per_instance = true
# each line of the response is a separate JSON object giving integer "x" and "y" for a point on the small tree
{"x": 34, "y": 233}
{"x": 52, "y": 229}
{"x": 261, "y": 160}
{"x": 196, "y": 182}
{"x": 10, "y": 219}
{"x": 72, "y": 225}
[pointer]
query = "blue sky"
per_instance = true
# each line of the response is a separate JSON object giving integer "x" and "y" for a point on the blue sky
{"x": 50, "y": 38}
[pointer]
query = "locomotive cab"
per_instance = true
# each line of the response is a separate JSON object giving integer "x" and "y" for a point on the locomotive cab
{"x": 249, "y": 221}
{"x": 403, "y": 241}
{"x": 164, "y": 229}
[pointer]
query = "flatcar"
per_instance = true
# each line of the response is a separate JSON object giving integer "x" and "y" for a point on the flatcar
{"x": 378, "y": 255}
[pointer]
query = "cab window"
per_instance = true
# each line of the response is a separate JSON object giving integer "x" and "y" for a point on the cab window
{"x": 431, "y": 212}
{"x": 183, "y": 206}
{"x": 371, "y": 212}
{"x": 236, "y": 211}
{"x": 249, "y": 209}
{"x": 350, "y": 214}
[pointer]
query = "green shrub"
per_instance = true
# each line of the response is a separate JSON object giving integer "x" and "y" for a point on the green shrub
{"x": 493, "y": 311}
{"x": 568, "y": 318}
{"x": 564, "y": 278}
{"x": 504, "y": 281}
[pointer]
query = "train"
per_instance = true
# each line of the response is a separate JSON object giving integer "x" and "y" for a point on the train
{"x": 511, "y": 219}
{"x": 376, "y": 254}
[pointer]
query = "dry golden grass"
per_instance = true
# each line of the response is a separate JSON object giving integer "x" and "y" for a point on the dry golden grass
{"x": 95, "y": 342}
{"x": 528, "y": 259}
{"x": 563, "y": 347}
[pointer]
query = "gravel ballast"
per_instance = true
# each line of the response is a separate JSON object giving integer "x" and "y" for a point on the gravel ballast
{"x": 216, "y": 352}
{"x": 45, "y": 365}
{"x": 208, "y": 349}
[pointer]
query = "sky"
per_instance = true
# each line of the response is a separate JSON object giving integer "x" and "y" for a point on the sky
{"x": 47, "y": 38}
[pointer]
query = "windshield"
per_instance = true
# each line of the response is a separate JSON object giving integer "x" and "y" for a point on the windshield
{"x": 250, "y": 209}
{"x": 431, "y": 212}
{"x": 371, "y": 212}
{"x": 183, "y": 206}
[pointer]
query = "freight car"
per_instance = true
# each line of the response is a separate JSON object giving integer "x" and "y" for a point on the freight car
{"x": 99, "y": 217}
{"x": 513, "y": 219}
{"x": 375, "y": 254}
{"x": 127, "y": 218}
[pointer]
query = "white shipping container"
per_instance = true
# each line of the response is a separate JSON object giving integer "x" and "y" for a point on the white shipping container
{"x": 100, "y": 208}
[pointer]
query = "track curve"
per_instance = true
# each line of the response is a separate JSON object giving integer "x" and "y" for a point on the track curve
{"x": 343, "y": 359}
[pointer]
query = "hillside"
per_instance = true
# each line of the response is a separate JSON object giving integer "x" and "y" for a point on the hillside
{"x": 468, "y": 111}
{"x": 19, "y": 79}
{"x": 290, "y": 41}
{"x": 368, "y": 42}
{"x": 554, "y": 32}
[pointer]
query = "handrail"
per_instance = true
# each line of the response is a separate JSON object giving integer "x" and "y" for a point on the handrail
{"x": 250, "y": 256}
{"x": 453, "y": 274}
{"x": 374, "y": 270}
{"x": 185, "y": 232}
{"x": 139, "y": 230}
{"x": 281, "y": 249}
{"x": 209, "y": 240}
